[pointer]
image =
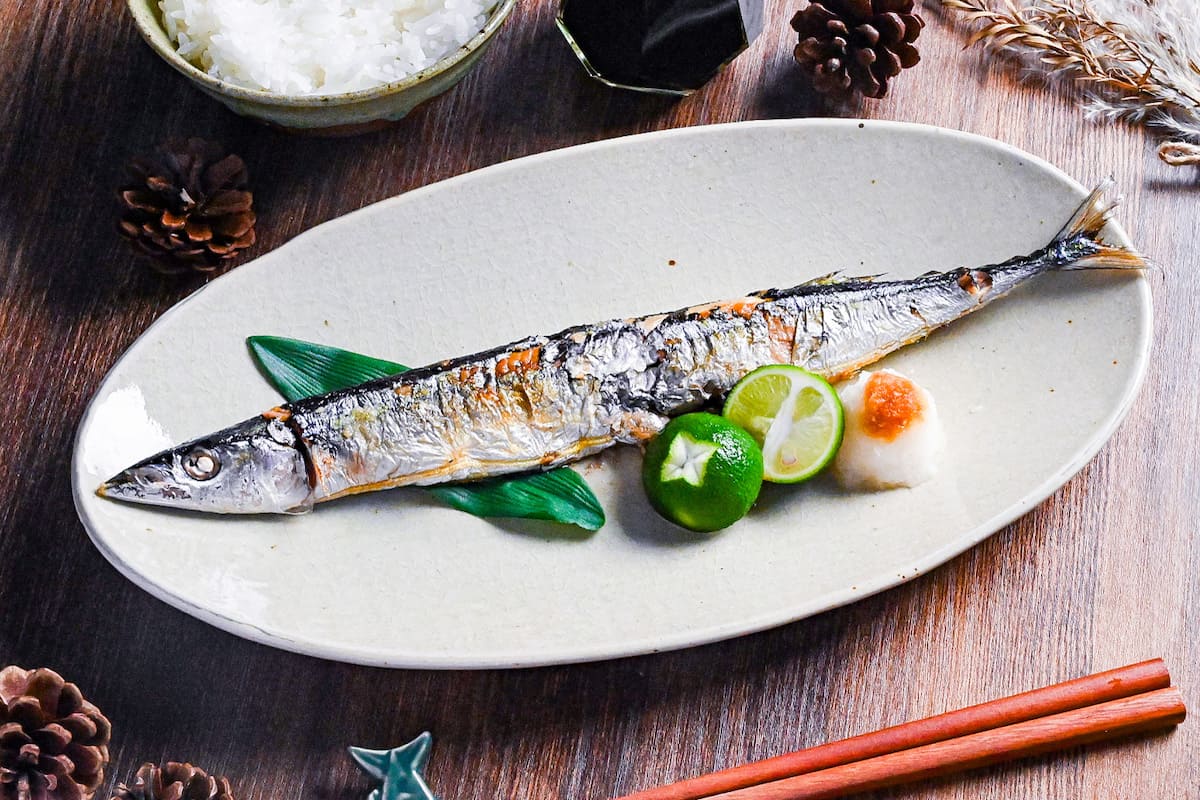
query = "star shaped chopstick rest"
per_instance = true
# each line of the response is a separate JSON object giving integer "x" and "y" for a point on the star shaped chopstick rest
{"x": 399, "y": 769}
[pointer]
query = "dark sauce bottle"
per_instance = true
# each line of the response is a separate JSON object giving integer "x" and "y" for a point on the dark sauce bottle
{"x": 670, "y": 46}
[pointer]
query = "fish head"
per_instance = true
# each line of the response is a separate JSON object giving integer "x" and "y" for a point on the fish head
{"x": 255, "y": 467}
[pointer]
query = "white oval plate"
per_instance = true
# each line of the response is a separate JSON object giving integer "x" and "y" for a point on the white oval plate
{"x": 1029, "y": 389}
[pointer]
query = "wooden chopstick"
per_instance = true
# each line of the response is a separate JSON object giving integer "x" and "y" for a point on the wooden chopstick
{"x": 1141, "y": 713}
{"x": 1102, "y": 687}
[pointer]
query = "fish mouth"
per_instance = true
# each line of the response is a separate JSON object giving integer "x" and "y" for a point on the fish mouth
{"x": 114, "y": 487}
{"x": 146, "y": 483}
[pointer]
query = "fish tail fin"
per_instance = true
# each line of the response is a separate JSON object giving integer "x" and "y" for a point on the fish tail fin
{"x": 1080, "y": 244}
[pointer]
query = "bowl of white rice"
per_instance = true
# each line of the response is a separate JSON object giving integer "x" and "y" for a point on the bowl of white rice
{"x": 321, "y": 66}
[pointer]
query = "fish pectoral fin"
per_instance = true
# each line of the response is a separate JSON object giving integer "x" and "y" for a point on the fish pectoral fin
{"x": 639, "y": 426}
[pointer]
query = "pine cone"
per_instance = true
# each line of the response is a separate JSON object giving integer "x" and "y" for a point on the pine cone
{"x": 857, "y": 45}
{"x": 188, "y": 207}
{"x": 53, "y": 743}
{"x": 174, "y": 781}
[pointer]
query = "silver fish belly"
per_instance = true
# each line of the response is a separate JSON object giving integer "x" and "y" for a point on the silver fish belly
{"x": 548, "y": 400}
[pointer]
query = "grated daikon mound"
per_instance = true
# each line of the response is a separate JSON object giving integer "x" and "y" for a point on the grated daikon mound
{"x": 319, "y": 46}
{"x": 893, "y": 436}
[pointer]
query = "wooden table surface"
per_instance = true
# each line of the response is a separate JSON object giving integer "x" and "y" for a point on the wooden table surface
{"x": 1105, "y": 572}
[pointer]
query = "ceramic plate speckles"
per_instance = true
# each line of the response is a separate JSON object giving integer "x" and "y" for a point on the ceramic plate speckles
{"x": 1029, "y": 389}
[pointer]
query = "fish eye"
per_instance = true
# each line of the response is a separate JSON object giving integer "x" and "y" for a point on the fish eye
{"x": 202, "y": 464}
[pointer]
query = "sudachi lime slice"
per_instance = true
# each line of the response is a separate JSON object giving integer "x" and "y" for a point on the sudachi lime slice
{"x": 794, "y": 415}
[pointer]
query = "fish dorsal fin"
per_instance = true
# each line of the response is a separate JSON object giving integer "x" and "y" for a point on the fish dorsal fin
{"x": 827, "y": 279}
{"x": 834, "y": 278}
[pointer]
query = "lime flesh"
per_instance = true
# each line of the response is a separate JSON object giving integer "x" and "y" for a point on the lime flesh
{"x": 794, "y": 415}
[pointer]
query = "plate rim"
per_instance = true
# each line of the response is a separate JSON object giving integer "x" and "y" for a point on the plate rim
{"x": 692, "y": 638}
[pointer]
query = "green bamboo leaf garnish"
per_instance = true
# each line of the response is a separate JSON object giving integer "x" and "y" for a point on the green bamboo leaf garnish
{"x": 560, "y": 495}
{"x": 301, "y": 369}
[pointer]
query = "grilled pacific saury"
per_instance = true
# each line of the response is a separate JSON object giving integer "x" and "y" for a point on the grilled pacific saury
{"x": 548, "y": 400}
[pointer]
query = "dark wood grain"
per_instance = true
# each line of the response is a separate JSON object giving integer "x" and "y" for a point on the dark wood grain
{"x": 1104, "y": 573}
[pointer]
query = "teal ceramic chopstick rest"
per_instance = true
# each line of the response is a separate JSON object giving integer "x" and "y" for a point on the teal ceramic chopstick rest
{"x": 400, "y": 769}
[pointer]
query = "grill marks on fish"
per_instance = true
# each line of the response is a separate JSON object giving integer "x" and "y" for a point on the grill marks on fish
{"x": 975, "y": 282}
{"x": 505, "y": 410}
{"x": 519, "y": 361}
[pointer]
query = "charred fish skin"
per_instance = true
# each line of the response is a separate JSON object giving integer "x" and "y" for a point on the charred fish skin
{"x": 535, "y": 404}
{"x": 548, "y": 400}
{"x": 509, "y": 410}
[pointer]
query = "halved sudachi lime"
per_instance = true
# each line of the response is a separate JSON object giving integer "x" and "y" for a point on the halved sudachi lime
{"x": 794, "y": 415}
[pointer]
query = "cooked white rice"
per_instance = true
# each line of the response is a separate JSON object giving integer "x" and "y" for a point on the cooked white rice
{"x": 319, "y": 46}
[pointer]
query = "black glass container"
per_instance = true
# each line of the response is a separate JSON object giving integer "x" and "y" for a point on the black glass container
{"x": 662, "y": 46}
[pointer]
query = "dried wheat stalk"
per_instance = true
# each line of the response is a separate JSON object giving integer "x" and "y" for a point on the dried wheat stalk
{"x": 1138, "y": 60}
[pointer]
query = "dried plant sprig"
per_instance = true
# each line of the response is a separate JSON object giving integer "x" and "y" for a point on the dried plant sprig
{"x": 1137, "y": 60}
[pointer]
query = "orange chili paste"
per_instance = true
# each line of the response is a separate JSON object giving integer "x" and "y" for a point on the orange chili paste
{"x": 890, "y": 404}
